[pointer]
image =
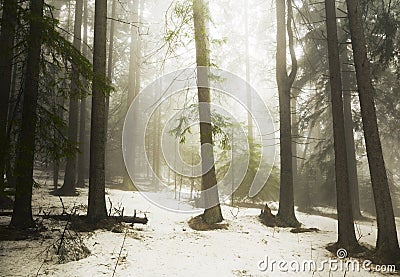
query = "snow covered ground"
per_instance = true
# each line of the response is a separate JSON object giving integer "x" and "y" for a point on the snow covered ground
{"x": 167, "y": 246}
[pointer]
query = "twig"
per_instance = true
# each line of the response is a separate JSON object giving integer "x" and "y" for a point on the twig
{"x": 73, "y": 211}
{"x": 111, "y": 205}
{"x": 120, "y": 251}
{"x": 63, "y": 207}
{"x": 37, "y": 273}
{"x": 235, "y": 216}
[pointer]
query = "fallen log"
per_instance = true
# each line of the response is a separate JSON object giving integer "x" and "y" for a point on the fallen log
{"x": 134, "y": 219}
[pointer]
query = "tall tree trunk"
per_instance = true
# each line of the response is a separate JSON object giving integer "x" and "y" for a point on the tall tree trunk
{"x": 248, "y": 75}
{"x": 83, "y": 113}
{"x": 68, "y": 187}
{"x": 110, "y": 64}
{"x": 346, "y": 233}
{"x": 8, "y": 24}
{"x": 59, "y": 100}
{"x": 387, "y": 245}
{"x": 133, "y": 79}
{"x": 286, "y": 212}
{"x": 97, "y": 200}
{"x": 295, "y": 136}
{"x": 133, "y": 60}
{"x": 156, "y": 149}
{"x": 209, "y": 188}
{"x": 110, "y": 76}
{"x": 22, "y": 213}
{"x": 350, "y": 144}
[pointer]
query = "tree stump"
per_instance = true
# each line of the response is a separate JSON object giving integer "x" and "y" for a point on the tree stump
{"x": 267, "y": 217}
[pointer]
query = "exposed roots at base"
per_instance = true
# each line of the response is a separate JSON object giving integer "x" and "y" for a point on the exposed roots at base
{"x": 197, "y": 223}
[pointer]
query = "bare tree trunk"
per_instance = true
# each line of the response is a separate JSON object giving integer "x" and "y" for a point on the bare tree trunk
{"x": 59, "y": 100}
{"x": 156, "y": 148}
{"x": 209, "y": 181}
{"x": 350, "y": 144}
{"x": 22, "y": 213}
{"x": 133, "y": 79}
{"x": 8, "y": 24}
{"x": 346, "y": 233}
{"x": 286, "y": 212}
{"x": 68, "y": 187}
{"x": 97, "y": 201}
{"x": 295, "y": 137}
{"x": 110, "y": 76}
{"x": 83, "y": 113}
{"x": 110, "y": 64}
{"x": 387, "y": 245}
{"x": 248, "y": 76}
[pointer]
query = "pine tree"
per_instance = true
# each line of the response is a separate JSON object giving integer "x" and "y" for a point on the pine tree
{"x": 346, "y": 233}
{"x": 387, "y": 245}
{"x": 22, "y": 213}
{"x": 8, "y": 25}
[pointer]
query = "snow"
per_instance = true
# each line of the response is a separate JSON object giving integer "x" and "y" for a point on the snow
{"x": 167, "y": 246}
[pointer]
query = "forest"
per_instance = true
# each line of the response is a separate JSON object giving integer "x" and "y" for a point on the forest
{"x": 199, "y": 137}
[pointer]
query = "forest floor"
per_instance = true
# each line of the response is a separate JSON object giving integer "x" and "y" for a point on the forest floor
{"x": 167, "y": 246}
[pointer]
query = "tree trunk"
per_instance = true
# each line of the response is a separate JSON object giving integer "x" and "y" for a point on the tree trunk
{"x": 350, "y": 144}
{"x": 22, "y": 213}
{"x": 156, "y": 149}
{"x": 110, "y": 64}
{"x": 8, "y": 24}
{"x": 387, "y": 246}
{"x": 110, "y": 76}
{"x": 132, "y": 80}
{"x": 82, "y": 121}
{"x": 346, "y": 233}
{"x": 286, "y": 212}
{"x": 97, "y": 201}
{"x": 295, "y": 137}
{"x": 248, "y": 77}
{"x": 68, "y": 187}
{"x": 59, "y": 102}
{"x": 212, "y": 213}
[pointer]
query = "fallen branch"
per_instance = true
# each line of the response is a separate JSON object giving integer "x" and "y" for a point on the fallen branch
{"x": 66, "y": 226}
{"x": 134, "y": 219}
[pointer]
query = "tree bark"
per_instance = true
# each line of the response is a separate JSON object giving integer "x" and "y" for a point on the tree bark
{"x": 68, "y": 187}
{"x": 212, "y": 214}
{"x": 133, "y": 80}
{"x": 286, "y": 212}
{"x": 22, "y": 213}
{"x": 110, "y": 64}
{"x": 350, "y": 144}
{"x": 110, "y": 76}
{"x": 346, "y": 232}
{"x": 8, "y": 24}
{"x": 248, "y": 77}
{"x": 97, "y": 203}
{"x": 59, "y": 101}
{"x": 83, "y": 113}
{"x": 387, "y": 245}
{"x": 295, "y": 137}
